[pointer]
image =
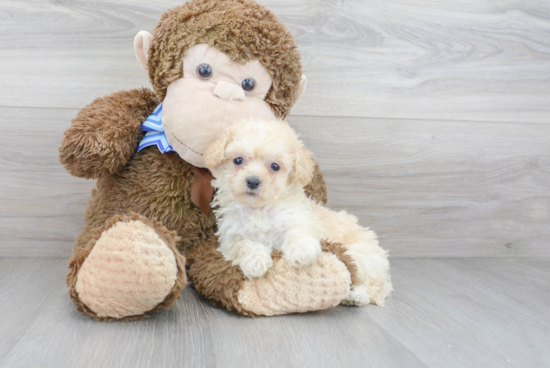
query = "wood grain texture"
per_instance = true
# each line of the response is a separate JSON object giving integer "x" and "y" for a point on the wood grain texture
{"x": 445, "y": 312}
{"x": 452, "y": 166}
{"x": 437, "y": 189}
{"x": 41, "y": 205}
{"x": 455, "y": 60}
{"x": 429, "y": 189}
{"x": 27, "y": 288}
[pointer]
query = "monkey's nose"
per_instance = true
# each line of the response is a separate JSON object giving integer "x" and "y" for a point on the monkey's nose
{"x": 253, "y": 182}
{"x": 229, "y": 91}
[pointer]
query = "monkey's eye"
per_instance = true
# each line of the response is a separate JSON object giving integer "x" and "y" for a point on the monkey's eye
{"x": 204, "y": 71}
{"x": 248, "y": 84}
{"x": 275, "y": 167}
{"x": 238, "y": 161}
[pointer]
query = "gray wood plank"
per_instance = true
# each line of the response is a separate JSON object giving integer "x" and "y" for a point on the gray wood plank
{"x": 27, "y": 287}
{"x": 41, "y": 205}
{"x": 324, "y": 338}
{"x": 444, "y": 312}
{"x": 437, "y": 189}
{"x": 475, "y": 312}
{"x": 427, "y": 188}
{"x": 461, "y": 60}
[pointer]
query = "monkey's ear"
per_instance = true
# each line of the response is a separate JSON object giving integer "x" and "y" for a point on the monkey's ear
{"x": 302, "y": 87}
{"x": 142, "y": 43}
{"x": 304, "y": 165}
{"x": 215, "y": 152}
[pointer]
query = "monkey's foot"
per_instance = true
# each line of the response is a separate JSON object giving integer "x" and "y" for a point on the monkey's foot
{"x": 287, "y": 289}
{"x": 131, "y": 270}
{"x": 283, "y": 289}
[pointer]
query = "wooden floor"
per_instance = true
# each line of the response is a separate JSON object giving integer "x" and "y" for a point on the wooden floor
{"x": 445, "y": 313}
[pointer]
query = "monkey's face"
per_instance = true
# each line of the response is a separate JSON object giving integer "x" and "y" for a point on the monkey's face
{"x": 213, "y": 94}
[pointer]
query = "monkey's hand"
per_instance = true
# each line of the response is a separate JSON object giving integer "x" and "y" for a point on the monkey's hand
{"x": 106, "y": 133}
{"x": 317, "y": 189}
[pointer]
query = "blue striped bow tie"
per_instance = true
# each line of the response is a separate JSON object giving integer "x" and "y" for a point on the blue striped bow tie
{"x": 155, "y": 132}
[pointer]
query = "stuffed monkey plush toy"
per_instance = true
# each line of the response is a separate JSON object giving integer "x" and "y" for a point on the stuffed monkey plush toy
{"x": 149, "y": 224}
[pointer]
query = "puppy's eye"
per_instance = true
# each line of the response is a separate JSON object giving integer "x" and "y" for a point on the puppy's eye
{"x": 238, "y": 161}
{"x": 204, "y": 71}
{"x": 275, "y": 167}
{"x": 248, "y": 84}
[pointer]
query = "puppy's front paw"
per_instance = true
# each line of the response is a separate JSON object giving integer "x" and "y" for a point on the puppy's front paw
{"x": 302, "y": 253}
{"x": 256, "y": 265}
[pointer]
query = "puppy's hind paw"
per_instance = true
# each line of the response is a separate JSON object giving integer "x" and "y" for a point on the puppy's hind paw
{"x": 358, "y": 296}
{"x": 256, "y": 265}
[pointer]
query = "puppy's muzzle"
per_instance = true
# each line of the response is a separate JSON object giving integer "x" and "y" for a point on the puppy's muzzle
{"x": 253, "y": 182}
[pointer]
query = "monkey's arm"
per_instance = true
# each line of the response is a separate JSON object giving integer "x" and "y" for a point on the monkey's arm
{"x": 104, "y": 134}
{"x": 317, "y": 189}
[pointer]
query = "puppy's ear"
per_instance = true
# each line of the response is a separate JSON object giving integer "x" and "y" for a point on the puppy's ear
{"x": 215, "y": 152}
{"x": 304, "y": 164}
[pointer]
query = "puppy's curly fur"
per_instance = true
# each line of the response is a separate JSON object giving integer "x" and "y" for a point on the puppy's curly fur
{"x": 261, "y": 168}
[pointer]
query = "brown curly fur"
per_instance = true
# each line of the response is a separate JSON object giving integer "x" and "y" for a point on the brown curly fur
{"x": 106, "y": 133}
{"x": 241, "y": 29}
{"x": 338, "y": 250}
{"x": 103, "y": 138}
{"x": 317, "y": 188}
{"x": 214, "y": 277}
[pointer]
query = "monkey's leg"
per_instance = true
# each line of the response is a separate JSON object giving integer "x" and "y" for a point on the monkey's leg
{"x": 283, "y": 289}
{"x": 126, "y": 269}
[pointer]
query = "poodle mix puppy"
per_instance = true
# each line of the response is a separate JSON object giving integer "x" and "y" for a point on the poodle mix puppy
{"x": 260, "y": 170}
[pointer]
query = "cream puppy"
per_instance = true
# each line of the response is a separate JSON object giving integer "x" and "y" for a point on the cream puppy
{"x": 260, "y": 170}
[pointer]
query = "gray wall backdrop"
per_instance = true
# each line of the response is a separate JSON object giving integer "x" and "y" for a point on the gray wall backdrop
{"x": 430, "y": 120}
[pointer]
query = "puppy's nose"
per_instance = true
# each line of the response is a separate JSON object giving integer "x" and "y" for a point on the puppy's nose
{"x": 229, "y": 91}
{"x": 253, "y": 182}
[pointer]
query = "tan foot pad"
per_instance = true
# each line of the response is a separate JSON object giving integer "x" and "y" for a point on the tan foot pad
{"x": 129, "y": 271}
{"x": 286, "y": 289}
